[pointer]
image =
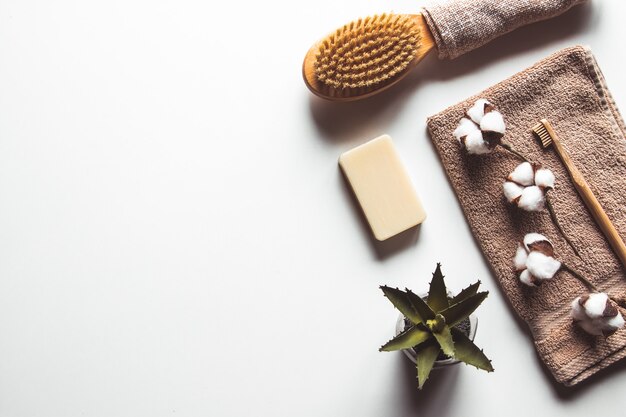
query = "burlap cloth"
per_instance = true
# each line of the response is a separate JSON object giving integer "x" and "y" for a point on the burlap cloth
{"x": 459, "y": 26}
{"x": 568, "y": 89}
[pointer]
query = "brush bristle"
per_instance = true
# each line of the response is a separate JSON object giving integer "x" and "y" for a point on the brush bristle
{"x": 542, "y": 133}
{"x": 367, "y": 54}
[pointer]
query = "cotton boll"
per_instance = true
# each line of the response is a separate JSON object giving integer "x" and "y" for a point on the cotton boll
{"x": 475, "y": 144}
{"x": 603, "y": 326}
{"x": 533, "y": 184}
{"x": 578, "y": 312}
{"x": 526, "y": 278}
{"x": 536, "y": 264}
{"x": 598, "y": 315}
{"x": 523, "y": 174}
{"x": 615, "y": 322}
{"x": 595, "y": 305}
{"x": 466, "y": 126}
{"x": 474, "y": 138}
{"x": 544, "y": 178}
{"x": 532, "y": 199}
{"x": 531, "y": 238}
{"x": 512, "y": 191}
{"x": 493, "y": 122}
{"x": 477, "y": 111}
{"x": 520, "y": 258}
{"x": 590, "y": 327}
{"x": 541, "y": 266}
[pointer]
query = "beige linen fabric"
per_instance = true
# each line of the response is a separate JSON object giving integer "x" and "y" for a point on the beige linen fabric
{"x": 460, "y": 26}
{"x": 568, "y": 89}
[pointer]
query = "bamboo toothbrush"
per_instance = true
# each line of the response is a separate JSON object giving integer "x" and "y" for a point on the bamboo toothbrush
{"x": 547, "y": 135}
{"x": 366, "y": 56}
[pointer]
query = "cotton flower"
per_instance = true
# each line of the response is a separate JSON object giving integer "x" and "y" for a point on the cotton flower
{"x": 597, "y": 314}
{"x": 534, "y": 260}
{"x": 482, "y": 128}
{"x": 526, "y": 186}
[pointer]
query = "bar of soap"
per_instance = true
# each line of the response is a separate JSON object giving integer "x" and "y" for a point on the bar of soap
{"x": 383, "y": 187}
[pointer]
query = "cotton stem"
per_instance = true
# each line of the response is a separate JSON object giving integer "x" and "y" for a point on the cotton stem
{"x": 579, "y": 277}
{"x": 509, "y": 148}
{"x": 558, "y": 225}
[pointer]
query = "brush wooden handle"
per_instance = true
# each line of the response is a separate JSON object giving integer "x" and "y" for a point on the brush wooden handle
{"x": 591, "y": 201}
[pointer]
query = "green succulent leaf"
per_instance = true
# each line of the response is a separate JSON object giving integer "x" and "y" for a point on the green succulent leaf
{"x": 438, "y": 294}
{"x": 466, "y": 351}
{"x": 402, "y": 302}
{"x": 461, "y": 310}
{"x": 420, "y": 306}
{"x": 465, "y": 293}
{"x": 444, "y": 338}
{"x": 407, "y": 339}
{"x": 436, "y": 325}
{"x": 425, "y": 359}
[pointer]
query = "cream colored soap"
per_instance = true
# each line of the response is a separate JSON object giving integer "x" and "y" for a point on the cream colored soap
{"x": 383, "y": 187}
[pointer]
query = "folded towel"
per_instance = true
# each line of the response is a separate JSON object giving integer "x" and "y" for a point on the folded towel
{"x": 462, "y": 25}
{"x": 568, "y": 89}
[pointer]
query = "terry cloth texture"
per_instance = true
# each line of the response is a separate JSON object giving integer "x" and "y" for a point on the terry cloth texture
{"x": 460, "y": 26}
{"x": 569, "y": 90}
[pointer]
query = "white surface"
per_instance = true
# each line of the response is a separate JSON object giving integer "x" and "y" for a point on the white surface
{"x": 176, "y": 237}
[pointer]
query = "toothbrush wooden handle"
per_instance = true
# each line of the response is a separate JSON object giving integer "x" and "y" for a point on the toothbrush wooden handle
{"x": 592, "y": 203}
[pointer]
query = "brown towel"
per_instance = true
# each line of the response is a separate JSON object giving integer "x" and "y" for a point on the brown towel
{"x": 460, "y": 26}
{"x": 568, "y": 89}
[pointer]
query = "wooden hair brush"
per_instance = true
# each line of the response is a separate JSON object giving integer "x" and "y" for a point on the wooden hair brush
{"x": 366, "y": 56}
{"x": 370, "y": 55}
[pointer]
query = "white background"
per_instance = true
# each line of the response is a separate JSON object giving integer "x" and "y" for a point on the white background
{"x": 176, "y": 237}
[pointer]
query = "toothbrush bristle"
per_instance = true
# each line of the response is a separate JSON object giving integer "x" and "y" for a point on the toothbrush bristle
{"x": 542, "y": 133}
{"x": 367, "y": 53}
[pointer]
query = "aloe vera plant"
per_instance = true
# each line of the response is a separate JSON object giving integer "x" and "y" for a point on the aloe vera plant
{"x": 433, "y": 322}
